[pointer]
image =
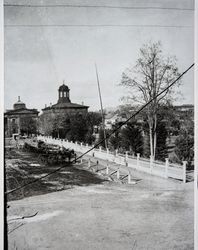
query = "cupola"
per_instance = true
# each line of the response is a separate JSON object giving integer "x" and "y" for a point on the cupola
{"x": 63, "y": 94}
{"x": 19, "y": 104}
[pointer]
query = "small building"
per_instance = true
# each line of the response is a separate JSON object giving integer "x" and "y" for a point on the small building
{"x": 20, "y": 120}
{"x": 112, "y": 119}
{"x": 185, "y": 108}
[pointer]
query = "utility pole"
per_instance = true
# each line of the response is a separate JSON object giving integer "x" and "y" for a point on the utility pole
{"x": 102, "y": 113}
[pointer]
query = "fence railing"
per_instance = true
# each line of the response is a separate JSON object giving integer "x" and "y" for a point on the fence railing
{"x": 162, "y": 169}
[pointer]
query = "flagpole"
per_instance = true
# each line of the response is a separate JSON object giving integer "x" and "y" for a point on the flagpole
{"x": 102, "y": 113}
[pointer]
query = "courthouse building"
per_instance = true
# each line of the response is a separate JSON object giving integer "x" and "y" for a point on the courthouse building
{"x": 20, "y": 120}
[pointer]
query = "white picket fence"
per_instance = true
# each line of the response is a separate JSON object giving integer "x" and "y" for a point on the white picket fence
{"x": 149, "y": 166}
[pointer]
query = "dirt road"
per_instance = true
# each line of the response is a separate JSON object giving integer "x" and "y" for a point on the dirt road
{"x": 153, "y": 214}
{"x": 105, "y": 216}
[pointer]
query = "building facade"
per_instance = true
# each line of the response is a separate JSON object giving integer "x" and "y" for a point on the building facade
{"x": 64, "y": 105}
{"x": 20, "y": 120}
{"x": 62, "y": 109}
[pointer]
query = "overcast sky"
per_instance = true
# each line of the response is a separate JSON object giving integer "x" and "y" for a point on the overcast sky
{"x": 38, "y": 59}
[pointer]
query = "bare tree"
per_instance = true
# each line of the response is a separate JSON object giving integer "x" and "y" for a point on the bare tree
{"x": 152, "y": 73}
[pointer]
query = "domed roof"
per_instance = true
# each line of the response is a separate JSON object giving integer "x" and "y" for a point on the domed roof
{"x": 63, "y": 88}
{"x": 19, "y": 104}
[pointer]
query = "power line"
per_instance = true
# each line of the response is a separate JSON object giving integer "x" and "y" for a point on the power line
{"x": 97, "y": 6}
{"x": 98, "y": 25}
{"x": 108, "y": 136}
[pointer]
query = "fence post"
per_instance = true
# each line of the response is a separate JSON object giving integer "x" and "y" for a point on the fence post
{"x": 129, "y": 178}
{"x": 138, "y": 160}
{"x": 166, "y": 167}
{"x": 184, "y": 171}
{"x": 100, "y": 148}
{"x": 118, "y": 174}
{"x": 116, "y": 153}
{"x": 121, "y": 160}
{"x": 151, "y": 163}
{"x": 107, "y": 169}
{"x": 126, "y": 156}
{"x": 107, "y": 154}
{"x": 89, "y": 163}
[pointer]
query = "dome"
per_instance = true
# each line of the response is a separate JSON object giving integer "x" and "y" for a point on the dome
{"x": 19, "y": 104}
{"x": 63, "y": 88}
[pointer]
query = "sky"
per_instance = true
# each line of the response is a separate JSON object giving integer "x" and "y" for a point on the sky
{"x": 39, "y": 58}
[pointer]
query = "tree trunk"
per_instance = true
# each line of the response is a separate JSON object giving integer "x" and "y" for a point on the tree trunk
{"x": 155, "y": 136}
{"x": 151, "y": 141}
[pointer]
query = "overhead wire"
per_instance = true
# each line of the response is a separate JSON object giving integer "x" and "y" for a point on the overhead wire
{"x": 97, "y": 6}
{"x": 108, "y": 136}
{"x": 98, "y": 25}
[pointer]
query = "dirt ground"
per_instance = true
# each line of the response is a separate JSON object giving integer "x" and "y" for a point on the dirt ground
{"x": 155, "y": 213}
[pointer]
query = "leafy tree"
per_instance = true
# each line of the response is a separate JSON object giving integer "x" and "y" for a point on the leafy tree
{"x": 131, "y": 138}
{"x": 115, "y": 139}
{"x": 93, "y": 119}
{"x": 151, "y": 74}
{"x": 161, "y": 148}
{"x": 78, "y": 128}
{"x": 89, "y": 138}
{"x": 45, "y": 125}
{"x": 184, "y": 147}
{"x": 184, "y": 144}
{"x": 101, "y": 137}
{"x": 28, "y": 125}
{"x": 61, "y": 126}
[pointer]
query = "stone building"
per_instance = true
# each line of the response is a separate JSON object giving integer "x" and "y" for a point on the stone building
{"x": 64, "y": 108}
{"x": 20, "y": 120}
{"x": 64, "y": 105}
